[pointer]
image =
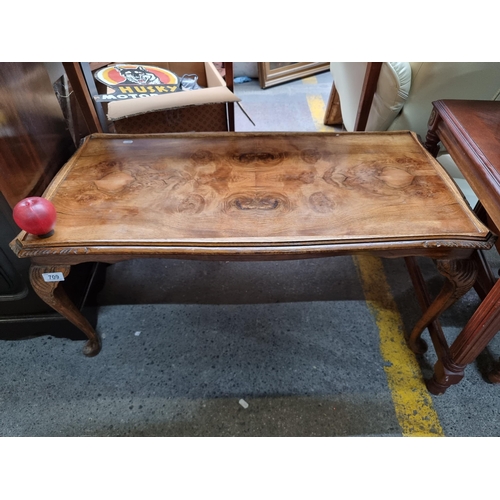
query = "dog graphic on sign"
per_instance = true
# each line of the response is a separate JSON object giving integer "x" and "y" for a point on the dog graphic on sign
{"x": 131, "y": 81}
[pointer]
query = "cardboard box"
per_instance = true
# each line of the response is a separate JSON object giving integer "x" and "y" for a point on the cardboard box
{"x": 200, "y": 110}
{"x": 203, "y": 118}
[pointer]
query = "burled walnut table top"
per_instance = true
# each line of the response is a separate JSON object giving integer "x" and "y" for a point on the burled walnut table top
{"x": 226, "y": 193}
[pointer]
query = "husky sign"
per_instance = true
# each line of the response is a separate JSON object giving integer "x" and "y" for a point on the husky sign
{"x": 130, "y": 81}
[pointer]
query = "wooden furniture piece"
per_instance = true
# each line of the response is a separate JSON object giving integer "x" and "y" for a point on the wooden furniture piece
{"x": 367, "y": 93}
{"x": 81, "y": 81}
{"x": 470, "y": 132}
{"x": 34, "y": 144}
{"x": 333, "y": 113}
{"x": 276, "y": 73}
{"x": 254, "y": 196}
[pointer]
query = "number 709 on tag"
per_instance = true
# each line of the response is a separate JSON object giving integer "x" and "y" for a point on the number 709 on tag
{"x": 53, "y": 277}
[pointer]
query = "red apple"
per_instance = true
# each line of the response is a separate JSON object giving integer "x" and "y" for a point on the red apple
{"x": 35, "y": 215}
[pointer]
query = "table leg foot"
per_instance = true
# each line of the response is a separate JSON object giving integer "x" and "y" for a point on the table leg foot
{"x": 435, "y": 388}
{"x": 53, "y": 294}
{"x": 418, "y": 345}
{"x": 445, "y": 375}
{"x": 92, "y": 348}
{"x": 494, "y": 376}
{"x": 460, "y": 277}
{"x": 478, "y": 332}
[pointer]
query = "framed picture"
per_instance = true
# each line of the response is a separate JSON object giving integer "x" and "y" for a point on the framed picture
{"x": 274, "y": 73}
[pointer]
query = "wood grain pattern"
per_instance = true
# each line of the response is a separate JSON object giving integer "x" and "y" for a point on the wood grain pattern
{"x": 253, "y": 196}
{"x": 251, "y": 192}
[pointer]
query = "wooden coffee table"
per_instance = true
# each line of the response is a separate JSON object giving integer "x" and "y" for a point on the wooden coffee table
{"x": 256, "y": 196}
{"x": 470, "y": 132}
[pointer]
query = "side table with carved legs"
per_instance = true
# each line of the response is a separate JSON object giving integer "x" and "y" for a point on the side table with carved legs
{"x": 469, "y": 130}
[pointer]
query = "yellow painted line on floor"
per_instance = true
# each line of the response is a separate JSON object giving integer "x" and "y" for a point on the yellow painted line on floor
{"x": 317, "y": 108}
{"x": 310, "y": 80}
{"x": 412, "y": 402}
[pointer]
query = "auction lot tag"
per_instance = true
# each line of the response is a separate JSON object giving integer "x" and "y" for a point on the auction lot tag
{"x": 53, "y": 276}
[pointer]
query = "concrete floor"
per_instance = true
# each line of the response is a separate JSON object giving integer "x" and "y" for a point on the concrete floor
{"x": 185, "y": 341}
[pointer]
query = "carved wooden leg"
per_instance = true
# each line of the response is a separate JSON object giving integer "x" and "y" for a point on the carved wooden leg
{"x": 460, "y": 277}
{"x": 432, "y": 139}
{"x": 446, "y": 373}
{"x": 54, "y": 295}
{"x": 485, "y": 278}
{"x": 478, "y": 332}
{"x": 494, "y": 376}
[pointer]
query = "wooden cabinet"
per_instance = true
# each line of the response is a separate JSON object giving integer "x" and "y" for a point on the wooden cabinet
{"x": 34, "y": 144}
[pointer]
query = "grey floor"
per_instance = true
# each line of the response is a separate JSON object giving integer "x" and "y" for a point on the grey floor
{"x": 185, "y": 341}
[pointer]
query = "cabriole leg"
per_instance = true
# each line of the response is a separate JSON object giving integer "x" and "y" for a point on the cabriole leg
{"x": 460, "y": 277}
{"x": 54, "y": 295}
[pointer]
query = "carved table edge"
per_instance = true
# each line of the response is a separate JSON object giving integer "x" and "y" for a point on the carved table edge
{"x": 432, "y": 248}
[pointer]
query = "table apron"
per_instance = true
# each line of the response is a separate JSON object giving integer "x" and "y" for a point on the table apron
{"x": 474, "y": 170}
{"x": 446, "y": 253}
